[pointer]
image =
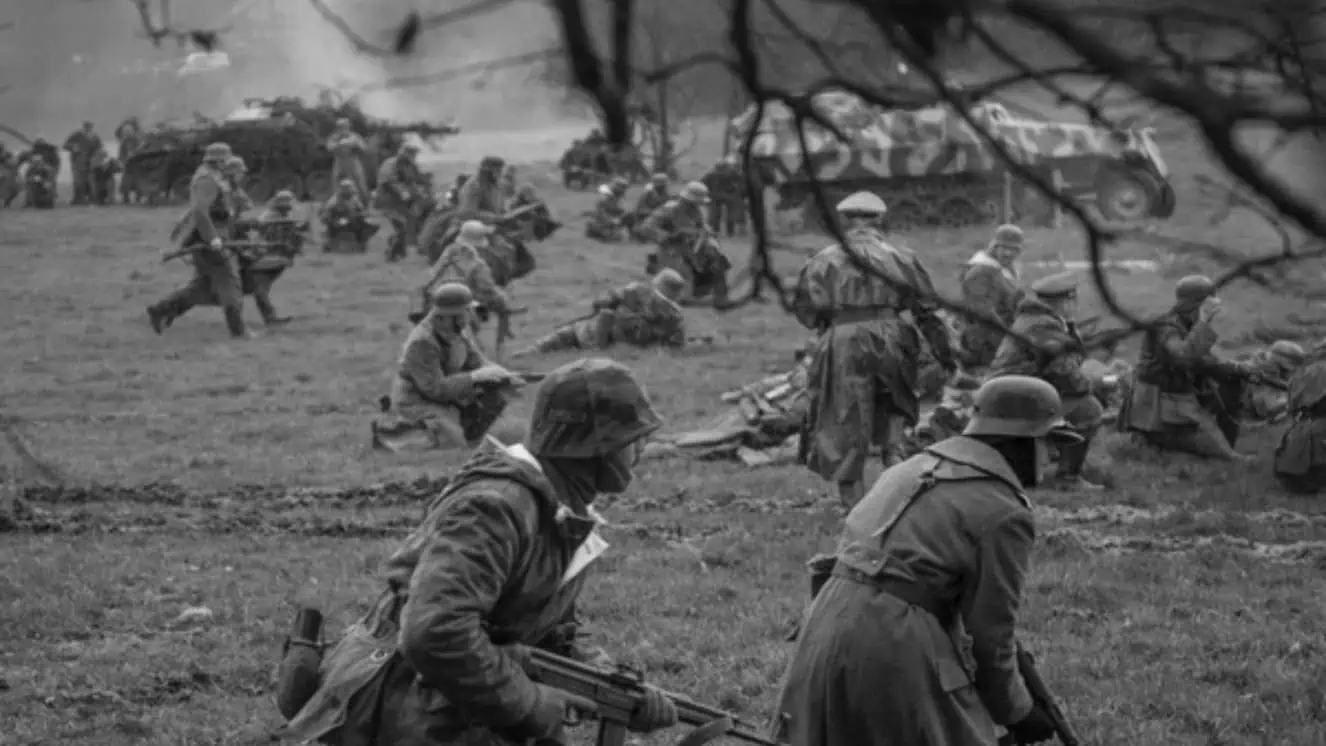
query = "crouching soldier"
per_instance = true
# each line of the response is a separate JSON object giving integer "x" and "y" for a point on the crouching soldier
{"x": 910, "y": 639}
{"x": 444, "y": 385}
{"x": 605, "y": 224}
{"x": 1044, "y": 343}
{"x": 640, "y": 314}
{"x": 493, "y": 571}
{"x": 1171, "y": 405}
{"x": 1300, "y": 459}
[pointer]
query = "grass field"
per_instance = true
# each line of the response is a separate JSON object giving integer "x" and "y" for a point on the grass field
{"x": 1182, "y": 607}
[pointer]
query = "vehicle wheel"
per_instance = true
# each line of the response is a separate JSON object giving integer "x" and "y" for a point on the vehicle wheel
{"x": 1125, "y": 197}
{"x": 906, "y": 215}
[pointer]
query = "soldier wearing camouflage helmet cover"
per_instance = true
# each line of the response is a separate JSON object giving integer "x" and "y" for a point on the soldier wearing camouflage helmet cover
{"x": 643, "y": 314}
{"x": 205, "y": 227}
{"x": 1264, "y": 398}
{"x": 495, "y": 569}
{"x": 937, "y": 551}
{"x": 463, "y": 262}
{"x": 236, "y": 170}
{"x": 1174, "y": 403}
{"x": 865, "y": 364}
{"x": 1044, "y": 342}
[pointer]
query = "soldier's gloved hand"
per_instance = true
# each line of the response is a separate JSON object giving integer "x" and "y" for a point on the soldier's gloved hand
{"x": 217, "y": 243}
{"x": 1036, "y": 727}
{"x": 655, "y": 713}
{"x": 551, "y": 711}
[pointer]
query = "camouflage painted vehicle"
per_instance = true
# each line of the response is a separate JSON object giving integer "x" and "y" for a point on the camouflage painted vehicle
{"x": 283, "y": 141}
{"x": 933, "y": 168}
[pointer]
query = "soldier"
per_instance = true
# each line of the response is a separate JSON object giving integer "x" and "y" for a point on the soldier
{"x": 130, "y": 137}
{"x": 684, "y": 241}
{"x": 235, "y": 171}
{"x": 1274, "y": 366}
{"x": 205, "y": 226}
{"x": 347, "y": 149}
{"x": 654, "y": 196}
{"x": 103, "y": 169}
{"x": 81, "y": 145}
{"x": 39, "y": 184}
{"x": 1171, "y": 403}
{"x": 396, "y": 197}
{"x": 9, "y": 176}
{"x": 460, "y": 611}
{"x": 1300, "y": 459}
{"x": 576, "y": 164}
{"x": 444, "y": 381}
{"x": 344, "y": 213}
{"x": 990, "y": 286}
{"x": 462, "y": 262}
{"x": 507, "y": 183}
{"x": 453, "y": 194}
{"x": 46, "y": 152}
{"x": 863, "y": 378}
{"x": 939, "y": 549}
{"x": 280, "y": 206}
{"x": 727, "y": 186}
{"x": 640, "y": 314}
{"x": 481, "y": 196}
{"x": 1054, "y": 352}
{"x": 605, "y": 224}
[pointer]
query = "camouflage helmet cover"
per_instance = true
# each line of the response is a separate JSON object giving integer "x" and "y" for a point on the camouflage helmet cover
{"x": 452, "y": 299}
{"x": 669, "y": 279}
{"x": 695, "y": 191}
{"x": 1290, "y": 352}
{"x": 1018, "y": 407}
{"x": 590, "y": 408}
{"x": 236, "y": 165}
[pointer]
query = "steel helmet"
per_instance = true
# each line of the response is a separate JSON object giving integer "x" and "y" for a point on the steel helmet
{"x": 590, "y": 408}
{"x": 695, "y": 192}
{"x": 452, "y": 299}
{"x": 1019, "y": 407}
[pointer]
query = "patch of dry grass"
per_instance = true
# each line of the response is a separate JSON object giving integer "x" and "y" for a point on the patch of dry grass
{"x": 1182, "y": 607}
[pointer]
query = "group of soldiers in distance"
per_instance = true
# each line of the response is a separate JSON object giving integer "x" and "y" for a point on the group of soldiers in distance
{"x": 33, "y": 173}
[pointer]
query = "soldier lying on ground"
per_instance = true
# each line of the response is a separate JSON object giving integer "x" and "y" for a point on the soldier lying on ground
{"x": 875, "y": 664}
{"x": 640, "y": 314}
{"x": 495, "y": 568}
{"x": 1300, "y": 459}
{"x": 444, "y": 385}
{"x": 605, "y": 222}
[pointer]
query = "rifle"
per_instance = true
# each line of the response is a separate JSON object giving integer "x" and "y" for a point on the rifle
{"x": 618, "y": 694}
{"x": 233, "y": 246}
{"x": 1041, "y": 696}
{"x": 504, "y": 326}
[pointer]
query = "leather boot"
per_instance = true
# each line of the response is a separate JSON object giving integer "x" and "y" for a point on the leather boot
{"x": 158, "y": 317}
{"x": 268, "y": 313}
{"x": 1072, "y": 459}
{"x": 235, "y": 323}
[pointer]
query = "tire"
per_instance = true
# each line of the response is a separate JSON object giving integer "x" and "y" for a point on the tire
{"x": 1126, "y": 197}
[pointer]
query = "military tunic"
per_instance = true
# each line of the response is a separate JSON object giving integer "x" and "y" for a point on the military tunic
{"x": 433, "y": 384}
{"x": 910, "y": 642}
{"x": 1054, "y": 356}
{"x": 347, "y": 151}
{"x": 216, "y": 279}
{"x": 865, "y": 362}
{"x": 1164, "y": 406}
{"x": 1300, "y": 459}
{"x": 395, "y": 197}
{"x": 636, "y": 314}
{"x": 462, "y": 263}
{"x": 991, "y": 288}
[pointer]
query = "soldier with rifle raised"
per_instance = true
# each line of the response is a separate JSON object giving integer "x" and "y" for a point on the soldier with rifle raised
{"x": 203, "y": 230}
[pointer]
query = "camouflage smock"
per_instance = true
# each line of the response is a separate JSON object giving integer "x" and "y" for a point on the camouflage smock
{"x": 1175, "y": 363}
{"x": 462, "y": 263}
{"x": 1056, "y": 356}
{"x": 1300, "y": 459}
{"x": 643, "y": 316}
{"x": 871, "y": 669}
{"x": 865, "y": 363}
{"x": 991, "y": 288}
{"x": 432, "y": 376}
{"x": 500, "y": 559}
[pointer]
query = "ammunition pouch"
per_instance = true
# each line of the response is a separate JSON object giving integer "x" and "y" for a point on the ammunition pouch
{"x": 301, "y": 657}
